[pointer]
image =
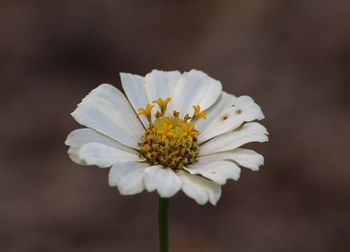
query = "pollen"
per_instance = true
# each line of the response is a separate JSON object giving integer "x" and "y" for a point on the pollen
{"x": 171, "y": 140}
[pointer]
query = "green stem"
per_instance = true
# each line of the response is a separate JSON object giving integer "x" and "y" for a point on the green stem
{"x": 163, "y": 205}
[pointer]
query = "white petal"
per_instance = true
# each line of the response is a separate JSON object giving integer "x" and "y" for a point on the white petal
{"x": 225, "y": 101}
{"x": 195, "y": 88}
{"x": 244, "y": 157}
{"x": 250, "y": 110}
{"x": 77, "y": 138}
{"x": 99, "y": 115}
{"x": 248, "y": 158}
{"x": 249, "y": 132}
{"x": 217, "y": 171}
{"x": 200, "y": 189}
{"x": 133, "y": 86}
{"x": 128, "y": 176}
{"x": 104, "y": 155}
{"x": 119, "y": 102}
{"x": 244, "y": 110}
{"x": 164, "y": 180}
{"x": 160, "y": 84}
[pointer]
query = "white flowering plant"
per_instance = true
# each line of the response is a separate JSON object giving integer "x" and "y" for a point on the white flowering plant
{"x": 172, "y": 131}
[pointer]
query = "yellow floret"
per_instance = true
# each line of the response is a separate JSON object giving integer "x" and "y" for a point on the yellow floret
{"x": 162, "y": 104}
{"x": 197, "y": 114}
{"x": 146, "y": 112}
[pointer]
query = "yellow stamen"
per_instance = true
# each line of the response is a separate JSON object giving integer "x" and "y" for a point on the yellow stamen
{"x": 158, "y": 115}
{"x": 153, "y": 130}
{"x": 189, "y": 131}
{"x": 146, "y": 112}
{"x": 162, "y": 104}
{"x": 166, "y": 131}
{"x": 187, "y": 117}
{"x": 176, "y": 114}
{"x": 197, "y": 114}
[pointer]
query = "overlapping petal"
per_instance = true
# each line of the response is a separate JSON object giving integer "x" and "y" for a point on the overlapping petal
{"x": 200, "y": 189}
{"x": 103, "y": 155}
{"x": 134, "y": 89}
{"x": 128, "y": 177}
{"x": 244, "y": 109}
{"x": 77, "y": 138}
{"x": 100, "y": 115}
{"x": 195, "y": 88}
{"x": 161, "y": 84}
{"x": 217, "y": 171}
{"x": 244, "y": 157}
{"x": 119, "y": 102}
{"x": 249, "y": 132}
{"x": 162, "y": 179}
{"x": 224, "y": 102}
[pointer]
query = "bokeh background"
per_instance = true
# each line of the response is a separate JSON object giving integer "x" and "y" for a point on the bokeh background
{"x": 292, "y": 57}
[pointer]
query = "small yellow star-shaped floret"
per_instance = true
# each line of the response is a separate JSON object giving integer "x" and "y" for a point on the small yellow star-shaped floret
{"x": 162, "y": 104}
{"x": 187, "y": 117}
{"x": 158, "y": 115}
{"x": 166, "y": 131}
{"x": 197, "y": 113}
{"x": 189, "y": 131}
{"x": 146, "y": 112}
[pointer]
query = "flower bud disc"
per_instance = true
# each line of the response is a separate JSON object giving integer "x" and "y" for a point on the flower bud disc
{"x": 171, "y": 142}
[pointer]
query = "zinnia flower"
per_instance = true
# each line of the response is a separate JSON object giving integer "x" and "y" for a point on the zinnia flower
{"x": 171, "y": 132}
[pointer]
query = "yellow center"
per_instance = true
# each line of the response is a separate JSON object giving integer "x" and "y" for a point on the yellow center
{"x": 169, "y": 140}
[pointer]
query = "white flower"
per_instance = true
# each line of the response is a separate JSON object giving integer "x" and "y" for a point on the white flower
{"x": 172, "y": 144}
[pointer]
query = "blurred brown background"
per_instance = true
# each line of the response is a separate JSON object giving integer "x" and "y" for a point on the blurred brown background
{"x": 292, "y": 57}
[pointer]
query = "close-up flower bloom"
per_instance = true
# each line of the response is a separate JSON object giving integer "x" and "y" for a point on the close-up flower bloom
{"x": 170, "y": 132}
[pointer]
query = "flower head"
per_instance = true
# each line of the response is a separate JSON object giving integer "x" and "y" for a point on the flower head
{"x": 169, "y": 147}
